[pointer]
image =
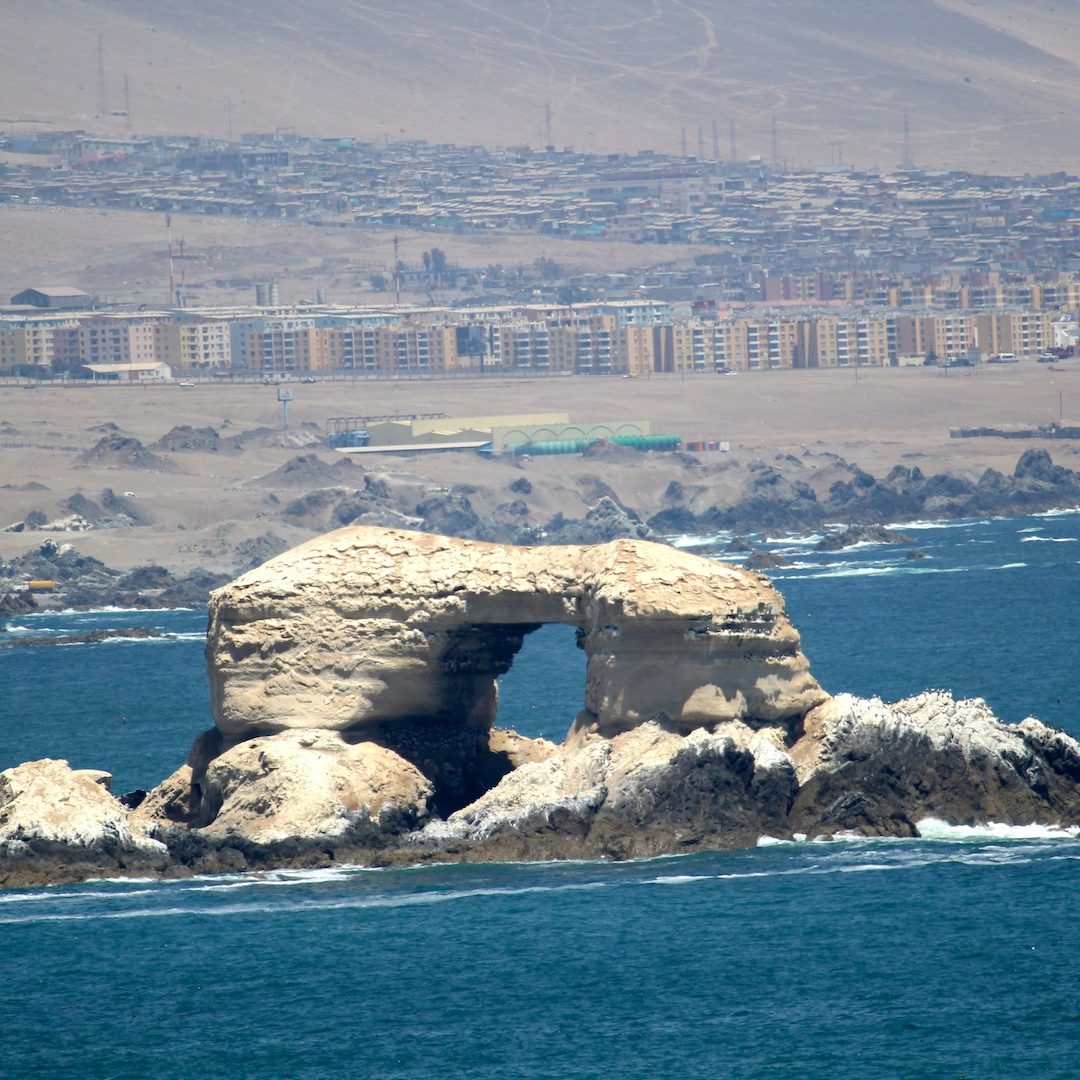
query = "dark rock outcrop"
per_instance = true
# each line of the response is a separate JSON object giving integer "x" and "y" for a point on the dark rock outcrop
{"x": 861, "y": 534}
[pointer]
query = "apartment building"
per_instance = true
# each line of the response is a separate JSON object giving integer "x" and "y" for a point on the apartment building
{"x": 31, "y": 342}
{"x": 279, "y": 345}
{"x": 195, "y": 344}
{"x": 116, "y": 338}
{"x": 944, "y": 334}
{"x": 1025, "y": 334}
{"x": 585, "y": 346}
{"x": 522, "y": 344}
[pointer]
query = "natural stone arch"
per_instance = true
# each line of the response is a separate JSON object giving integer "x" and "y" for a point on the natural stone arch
{"x": 367, "y": 628}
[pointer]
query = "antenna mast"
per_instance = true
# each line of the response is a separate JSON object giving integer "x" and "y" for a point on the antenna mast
{"x": 100, "y": 76}
{"x": 172, "y": 279}
{"x": 397, "y": 274}
{"x": 909, "y": 159}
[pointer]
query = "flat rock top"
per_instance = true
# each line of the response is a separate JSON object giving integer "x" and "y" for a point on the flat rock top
{"x": 643, "y": 578}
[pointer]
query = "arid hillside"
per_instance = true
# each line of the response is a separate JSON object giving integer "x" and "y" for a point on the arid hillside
{"x": 988, "y": 84}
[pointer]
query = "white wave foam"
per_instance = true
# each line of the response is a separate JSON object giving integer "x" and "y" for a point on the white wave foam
{"x": 1031, "y": 529}
{"x": 879, "y": 571}
{"x": 936, "y": 829}
{"x": 13, "y": 629}
{"x": 1049, "y": 540}
{"x": 692, "y": 540}
{"x": 300, "y": 906}
{"x": 942, "y": 523}
{"x": 678, "y": 879}
{"x": 1059, "y": 512}
{"x": 795, "y": 541}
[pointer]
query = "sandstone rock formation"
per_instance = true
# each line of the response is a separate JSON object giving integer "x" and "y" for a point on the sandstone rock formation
{"x": 364, "y": 626}
{"x": 63, "y": 823}
{"x": 354, "y": 694}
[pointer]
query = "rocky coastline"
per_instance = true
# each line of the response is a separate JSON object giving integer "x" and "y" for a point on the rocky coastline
{"x": 307, "y": 496}
{"x": 353, "y": 690}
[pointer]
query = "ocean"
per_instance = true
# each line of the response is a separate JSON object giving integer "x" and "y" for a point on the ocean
{"x": 954, "y": 956}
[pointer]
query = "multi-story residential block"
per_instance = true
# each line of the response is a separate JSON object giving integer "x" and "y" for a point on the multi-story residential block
{"x": 32, "y": 342}
{"x": 1024, "y": 334}
{"x": 278, "y": 345}
{"x": 195, "y": 344}
{"x": 944, "y": 334}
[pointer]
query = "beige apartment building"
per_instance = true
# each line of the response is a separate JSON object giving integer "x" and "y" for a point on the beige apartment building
{"x": 384, "y": 350}
{"x": 32, "y": 342}
{"x": 585, "y": 346}
{"x": 195, "y": 345}
{"x": 943, "y": 334}
{"x": 1024, "y": 334}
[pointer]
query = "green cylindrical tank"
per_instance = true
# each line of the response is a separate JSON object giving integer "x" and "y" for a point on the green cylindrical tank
{"x": 579, "y": 446}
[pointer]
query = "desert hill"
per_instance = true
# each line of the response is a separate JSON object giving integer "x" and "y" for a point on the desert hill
{"x": 987, "y": 84}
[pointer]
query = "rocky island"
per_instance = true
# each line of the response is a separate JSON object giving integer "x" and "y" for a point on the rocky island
{"x": 354, "y": 694}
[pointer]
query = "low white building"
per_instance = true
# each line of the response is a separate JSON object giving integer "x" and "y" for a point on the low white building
{"x": 154, "y": 371}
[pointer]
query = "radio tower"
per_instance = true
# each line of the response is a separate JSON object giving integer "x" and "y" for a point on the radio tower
{"x": 172, "y": 277}
{"x": 731, "y": 139}
{"x": 715, "y": 141}
{"x": 228, "y": 118}
{"x": 100, "y": 76}
{"x": 682, "y": 142}
{"x": 909, "y": 159}
{"x": 547, "y": 123}
{"x": 775, "y": 147}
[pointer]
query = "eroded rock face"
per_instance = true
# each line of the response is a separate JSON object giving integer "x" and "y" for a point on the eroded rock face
{"x": 353, "y": 687}
{"x": 878, "y": 769}
{"x": 54, "y": 816}
{"x": 365, "y": 626}
{"x": 644, "y": 792}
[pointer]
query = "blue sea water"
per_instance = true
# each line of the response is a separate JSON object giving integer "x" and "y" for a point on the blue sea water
{"x": 951, "y": 957}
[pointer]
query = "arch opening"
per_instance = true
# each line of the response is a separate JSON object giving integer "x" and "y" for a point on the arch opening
{"x": 544, "y": 689}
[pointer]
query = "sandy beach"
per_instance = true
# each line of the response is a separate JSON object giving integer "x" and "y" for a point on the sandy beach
{"x": 198, "y": 506}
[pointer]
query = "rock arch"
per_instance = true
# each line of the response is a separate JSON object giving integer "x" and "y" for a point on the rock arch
{"x": 368, "y": 628}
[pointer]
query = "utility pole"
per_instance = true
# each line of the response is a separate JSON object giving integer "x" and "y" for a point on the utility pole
{"x": 397, "y": 274}
{"x": 172, "y": 280}
{"x": 100, "y": 76}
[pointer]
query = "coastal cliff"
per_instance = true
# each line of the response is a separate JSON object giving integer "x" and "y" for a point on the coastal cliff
{"x": 354, "y": 694}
